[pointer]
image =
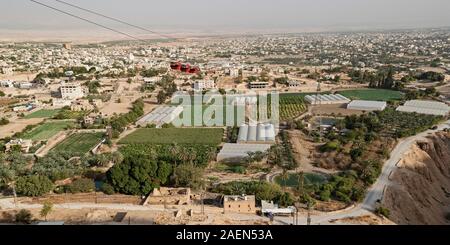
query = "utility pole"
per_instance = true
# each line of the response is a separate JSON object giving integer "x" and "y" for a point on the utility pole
{"x": 308, "y": 219}
{"x": 14, "y": 193}
{"x": 318, "y": 102}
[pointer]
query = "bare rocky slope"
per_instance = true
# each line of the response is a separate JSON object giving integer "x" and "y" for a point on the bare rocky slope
{"x": 420, "y": 188}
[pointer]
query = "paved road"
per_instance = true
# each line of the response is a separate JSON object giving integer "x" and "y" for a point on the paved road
{"x": 374, "y": 193}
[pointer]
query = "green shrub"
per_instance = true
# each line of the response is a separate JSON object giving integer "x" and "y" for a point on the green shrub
{"x": 81, "y": 186}
{"x": 238, "y": 169}
{"x": 24, "y": 216}
{"x": 382, "y": 211}
{"x": 107, "y": 189}
{"x": 34, "y": 185}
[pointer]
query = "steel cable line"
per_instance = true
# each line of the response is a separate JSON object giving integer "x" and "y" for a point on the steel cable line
{"x": 86, "y": 20}
{"x": 113, "y": 19}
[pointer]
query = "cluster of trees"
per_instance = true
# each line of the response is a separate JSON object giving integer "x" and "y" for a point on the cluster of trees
{"x": 39, "y": 179}
{"x": 431, "y": 76}
{"x": 282, "y": 155}
{"x": 93, "y": 86}
{"x": 118, "y": 123}
{"x": 153, "y": 72}
{"x": 381, "y": 79}
{"x": 3, "y": 121}
{"x": 168, "y": 88}
{"x": 417, "y": 94}
{"x": 139, "y": 173}
{"x": 145, "y": 167}
{"x": 262, "y": 191}
{"x": 198, "y": 155}
{"x": 281, "y": 80}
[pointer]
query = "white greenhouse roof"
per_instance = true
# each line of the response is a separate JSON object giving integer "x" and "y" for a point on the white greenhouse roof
{"x": 236, "y": 152}
{"x": 425, "y": 107}
{"x": 367, "y": 105}
{"x": 161, "y": 115}
{"x": 257, "y": 133}
{"x": 327, "y": 98}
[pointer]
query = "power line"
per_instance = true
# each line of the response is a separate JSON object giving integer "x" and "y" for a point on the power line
{"x": 86, "y": 20}
{"x": 114, "y": 19}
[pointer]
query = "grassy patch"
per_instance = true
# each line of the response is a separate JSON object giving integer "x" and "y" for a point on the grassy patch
{"x": 207, "y": 136}
{"x": 47, "y": 130}
{"x": 42, "y": 114}
{"x": 372, "y": 94}
{"x": 79, "y": 143}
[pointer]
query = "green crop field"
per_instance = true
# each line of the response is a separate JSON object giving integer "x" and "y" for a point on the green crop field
{"x": 291, "y": 106}
{"x": 42, "y": 114}
{"x": 372, "y": 94}
{"x": 206, "y": 136}
{"x": 47, "y": 130}
{"x": 79, "y": 143}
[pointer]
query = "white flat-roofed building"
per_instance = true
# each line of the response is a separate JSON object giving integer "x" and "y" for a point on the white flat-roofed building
{"x": 367, "y": 105}
{"x": 72, "y": 91}
{"x": 151, "y": 80}
{"x": 327, "y": 99}
{"x": 257, "y": 133}
{"x": 258, "y": 85}
{"x": 204, "y": 84}
{"x": 294, "y": 84}
{"x": 161, "y": 115}
{"x": 237, "y": 152}
{"x": 425, "y": 107}
{"x": 7, "y": 83}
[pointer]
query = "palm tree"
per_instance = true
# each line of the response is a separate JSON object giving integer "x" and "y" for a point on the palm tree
{"x": 284, "y": 177}
{"x": 301, "y": 179}
{"x": 175, "y": 151}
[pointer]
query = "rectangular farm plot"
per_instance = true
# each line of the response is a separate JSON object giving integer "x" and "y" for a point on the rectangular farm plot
{"x": 205, "y": 136}
{"x": 79, "y": 143}
{"x": 46, "y": 130}
{"x": 372, "y": 94}
{"x": 43, "y": 114}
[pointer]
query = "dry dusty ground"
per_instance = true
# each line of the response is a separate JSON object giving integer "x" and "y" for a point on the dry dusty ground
{"x": 420, "y": 189}
{"x": 17, "y": 125}
{"x": 334, "y": 109}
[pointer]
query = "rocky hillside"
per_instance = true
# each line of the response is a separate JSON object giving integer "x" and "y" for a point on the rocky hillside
{"x": 420, "y": 189}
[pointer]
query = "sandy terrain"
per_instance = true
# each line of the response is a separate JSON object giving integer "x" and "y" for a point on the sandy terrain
{"x": 304, "y": 153}
{"x": 334, "y": 109}
{"x": 17, "y": 125}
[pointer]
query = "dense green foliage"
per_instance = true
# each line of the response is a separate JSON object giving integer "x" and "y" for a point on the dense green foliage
{"x": 57, "y": 166}
{"x": 119, "y": 122}
{"x": 138, "y": 174}
{"x": 80, "y": 186}
{"x": 176, "y": 154}
{"x": 24, "y": 216}
{"x": 281, "y": 155}
{"x": 34, "y": 185}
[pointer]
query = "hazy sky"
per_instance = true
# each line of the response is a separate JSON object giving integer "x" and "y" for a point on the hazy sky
{"x": 233, "y": 14}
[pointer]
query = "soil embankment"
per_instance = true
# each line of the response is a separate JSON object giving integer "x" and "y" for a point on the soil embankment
{"x": 419, "y": 192}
